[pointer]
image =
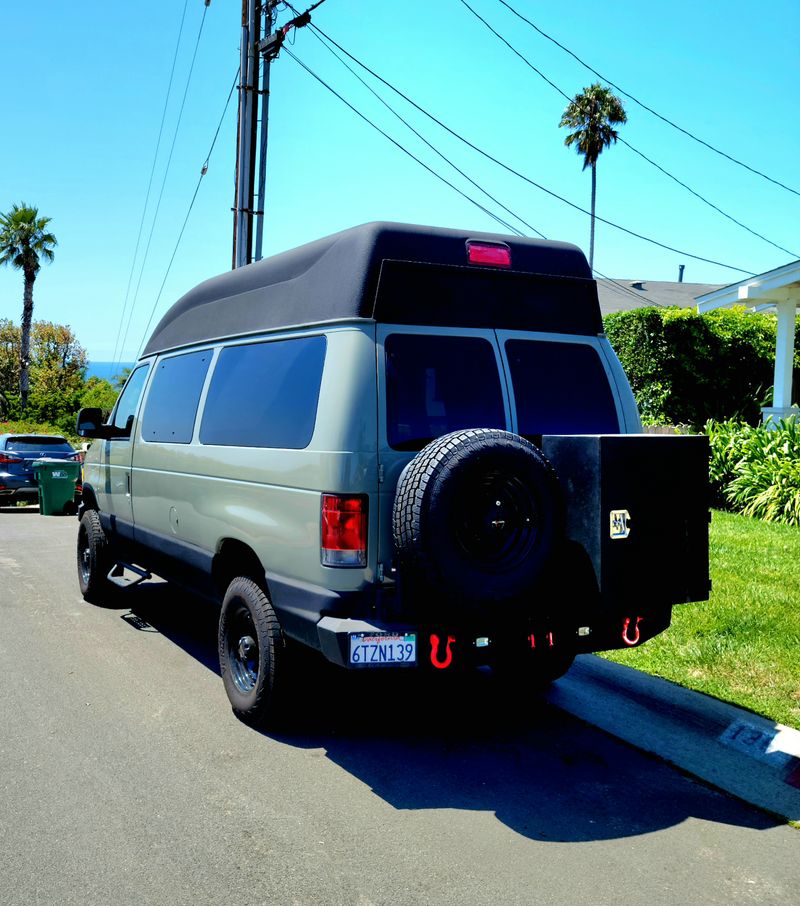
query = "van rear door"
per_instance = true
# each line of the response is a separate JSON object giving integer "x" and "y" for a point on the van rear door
{"x": 431, "y": 381}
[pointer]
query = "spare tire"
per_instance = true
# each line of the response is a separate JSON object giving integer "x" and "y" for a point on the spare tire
{"x": 476, "y": 515}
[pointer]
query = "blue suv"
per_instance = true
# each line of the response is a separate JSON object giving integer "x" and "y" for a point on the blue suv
{"x": 18, "y": 453}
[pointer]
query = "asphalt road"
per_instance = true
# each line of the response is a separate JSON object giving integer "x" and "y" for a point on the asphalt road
{"x": 125, "y": 779}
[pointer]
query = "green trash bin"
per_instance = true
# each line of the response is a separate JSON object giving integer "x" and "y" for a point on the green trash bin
{"x": 57, "y": 478}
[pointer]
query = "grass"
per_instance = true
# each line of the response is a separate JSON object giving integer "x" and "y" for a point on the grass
{"x": 743, "y": 645}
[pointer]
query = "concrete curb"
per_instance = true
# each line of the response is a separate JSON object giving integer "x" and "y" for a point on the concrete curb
{"x": 742, "y": 753}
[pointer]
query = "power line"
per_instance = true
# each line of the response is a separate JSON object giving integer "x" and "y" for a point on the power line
{"x": 164, "y": 179}
{"x": 626, "y": 143}
{"x": 645, "y": 106}
{"x": 425, "y": 140}
{"x": 203, "y": 171}
{"x": 397, "y": 144}
{"x": 522, "y": 176}
{"x": 624, "y": 290}
{"x": 150, "y": 182}
{"x": 706, "y": 201}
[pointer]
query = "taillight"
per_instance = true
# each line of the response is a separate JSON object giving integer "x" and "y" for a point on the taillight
{"x": 9, "y": 457}
{"x": 493, "y": 254}
{"x": 77, "y": 456}
{"x": 344, "y": 530}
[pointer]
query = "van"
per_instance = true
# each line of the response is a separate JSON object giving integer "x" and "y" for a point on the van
{"x": 406, "y": 448}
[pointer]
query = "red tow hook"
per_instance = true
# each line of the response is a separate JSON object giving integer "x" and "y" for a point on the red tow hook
{"x": 636, "y": 634}
{"x": 448, "y": 658}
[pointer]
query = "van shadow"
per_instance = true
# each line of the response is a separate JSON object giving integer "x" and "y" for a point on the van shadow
{"x": 466, "y": 743}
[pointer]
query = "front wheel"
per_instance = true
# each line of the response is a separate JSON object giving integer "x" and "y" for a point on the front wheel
{"x": 251, "y": 651}
{"x": 94, "y": 560}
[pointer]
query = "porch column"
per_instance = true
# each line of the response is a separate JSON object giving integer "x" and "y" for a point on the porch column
{"x": 784, "y": 355}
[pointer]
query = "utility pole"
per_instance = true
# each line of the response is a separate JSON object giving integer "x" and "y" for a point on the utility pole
{"x": 246, "y": 135}
{"x": 250, "y": 139}
{"x": 262, "y": 156}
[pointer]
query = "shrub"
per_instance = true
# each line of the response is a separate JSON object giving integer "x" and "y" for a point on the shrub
{"x": 686, "y": 368}
{"x": 756, "y": 471}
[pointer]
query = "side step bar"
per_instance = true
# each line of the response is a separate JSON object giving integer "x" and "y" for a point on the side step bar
{"x": 118, "y": 577}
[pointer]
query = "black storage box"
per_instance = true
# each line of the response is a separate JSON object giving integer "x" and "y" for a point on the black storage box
{"x": 638, "y": 506}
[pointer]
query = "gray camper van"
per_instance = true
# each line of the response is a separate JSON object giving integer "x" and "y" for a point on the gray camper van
{"x": 405, "y": 447}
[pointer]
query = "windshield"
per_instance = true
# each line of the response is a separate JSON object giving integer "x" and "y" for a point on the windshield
{"x": 38, "y": 444}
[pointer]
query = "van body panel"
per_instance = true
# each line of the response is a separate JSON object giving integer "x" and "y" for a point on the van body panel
{"x": 327, "y": 370}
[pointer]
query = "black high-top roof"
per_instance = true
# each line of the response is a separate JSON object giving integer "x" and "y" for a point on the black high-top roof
{"x": 395, "y": 273}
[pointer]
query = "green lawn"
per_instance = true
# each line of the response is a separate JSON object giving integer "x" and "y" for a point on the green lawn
{"x": 743, "y": 645}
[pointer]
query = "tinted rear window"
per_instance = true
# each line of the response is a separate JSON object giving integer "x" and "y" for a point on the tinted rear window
{"x": 37, "y": 444}
{"x": 560, "y": 388}
{"x": 439, "y": 384}
{"x": 173, "y": 398}
{"x": 265, "y": 394}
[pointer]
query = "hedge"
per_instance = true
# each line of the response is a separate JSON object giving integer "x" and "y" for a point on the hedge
{"x": 685, "y": 368}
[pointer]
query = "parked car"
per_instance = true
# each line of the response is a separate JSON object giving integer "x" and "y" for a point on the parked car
{"x": 18, "y": 453}
{"x": 404, "y": 447}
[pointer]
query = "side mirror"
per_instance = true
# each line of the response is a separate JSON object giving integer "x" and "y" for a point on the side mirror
{"x": 89, "y": 423}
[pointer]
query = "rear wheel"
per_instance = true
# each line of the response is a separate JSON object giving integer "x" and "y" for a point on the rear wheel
{"x": 94, "y": 560}
{"x": 251, "y": 651}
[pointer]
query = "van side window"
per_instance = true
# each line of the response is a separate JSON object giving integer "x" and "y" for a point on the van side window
{"x": 128, "y": 401}
{"x": 560, "y": 388}
{"x": 174, "y": 395}
{"x": 265, "y": 394}
{"x": 437, "y": 384}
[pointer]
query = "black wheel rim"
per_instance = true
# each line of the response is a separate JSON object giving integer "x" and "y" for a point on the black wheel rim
{"x": 84, "y": 556}
{"x": 495, "y": 523}
{"x": 243, "y": 651}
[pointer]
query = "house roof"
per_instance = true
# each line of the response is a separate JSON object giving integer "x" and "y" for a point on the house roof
{"x": 624, "y": 295}
{"x": 761, "y": 291}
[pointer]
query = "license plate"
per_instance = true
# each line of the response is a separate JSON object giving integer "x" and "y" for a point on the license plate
{"x": 382, "y": 650}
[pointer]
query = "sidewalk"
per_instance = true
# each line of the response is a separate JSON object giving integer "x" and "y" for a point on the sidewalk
{"x": 742, "y": 753}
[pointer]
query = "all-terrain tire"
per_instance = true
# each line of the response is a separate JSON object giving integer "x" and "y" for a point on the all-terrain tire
{"x": 476, "y": 516}
{"x": 251, "y": 652}
{"x": 95, "y": 560}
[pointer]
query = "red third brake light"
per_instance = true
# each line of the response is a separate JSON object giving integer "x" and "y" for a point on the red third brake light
{"x": 494, "y": 254}
{"x": 344, "y": 530}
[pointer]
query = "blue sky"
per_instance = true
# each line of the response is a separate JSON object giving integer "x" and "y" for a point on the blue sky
{"x": 82, "y": 109}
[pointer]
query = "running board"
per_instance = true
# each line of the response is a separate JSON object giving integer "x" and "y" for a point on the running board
{"x": 117, "y": 576}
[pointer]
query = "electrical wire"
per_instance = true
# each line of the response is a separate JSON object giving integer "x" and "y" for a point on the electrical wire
{"x": 164, "y": 179}
{"x": 203, "y": 171}
{"x": 644, "y": 106}
{"x": 397, "y": 144}
{"x": 425, "y": 140}
{"x": 628, "y": 144}
{"x": 149, "y": 185}
{"x": 620, "y": 288}
{"x": 522, "y": 176}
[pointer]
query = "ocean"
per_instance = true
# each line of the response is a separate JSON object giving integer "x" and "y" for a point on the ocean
{"x": 106, "y": 370}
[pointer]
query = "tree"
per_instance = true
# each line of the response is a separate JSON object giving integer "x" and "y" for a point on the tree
{"x": 99, "y": 394}
{"x": 24, "y": 242}
{"x": 592, "y": 114}
{"x": 58, "y": 364}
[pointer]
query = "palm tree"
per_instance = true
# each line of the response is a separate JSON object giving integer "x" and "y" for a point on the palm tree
{"x": 591, "y": 114}
{"x": 24, "y": 240}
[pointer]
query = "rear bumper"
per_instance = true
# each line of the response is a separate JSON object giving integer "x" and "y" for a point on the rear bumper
{"x": 13, "y": 487}
{"x": 484, "y": 643}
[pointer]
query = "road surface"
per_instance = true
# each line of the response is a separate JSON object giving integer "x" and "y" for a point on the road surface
{"x": 125, "y": 779}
